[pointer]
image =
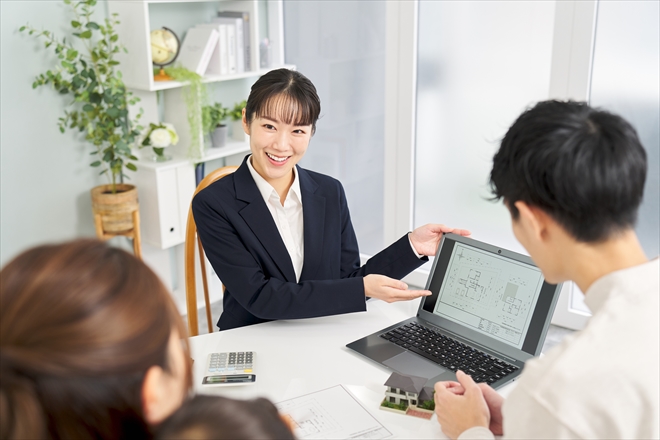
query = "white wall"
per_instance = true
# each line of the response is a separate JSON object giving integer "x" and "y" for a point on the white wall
{"x": 44, "y": 175}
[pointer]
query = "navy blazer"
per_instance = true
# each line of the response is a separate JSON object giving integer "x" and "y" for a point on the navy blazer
{"x": 245, "y": 248}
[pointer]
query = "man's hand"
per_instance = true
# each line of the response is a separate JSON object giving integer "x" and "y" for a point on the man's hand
{"x": 494, "y": 402}
{"x": 390, "y": 290}
{"x": 460, "y": 412}
{"x": 425, "y": 239}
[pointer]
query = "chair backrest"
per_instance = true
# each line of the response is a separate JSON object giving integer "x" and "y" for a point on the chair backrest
{"x": 191, "y": 239}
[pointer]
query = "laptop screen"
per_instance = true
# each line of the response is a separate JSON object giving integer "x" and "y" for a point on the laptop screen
{"x": 495, "y": 293}
{"x": 489, "y": 293}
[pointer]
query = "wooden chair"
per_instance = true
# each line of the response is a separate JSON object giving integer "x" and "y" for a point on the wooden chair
{"x": 191, "y": 238}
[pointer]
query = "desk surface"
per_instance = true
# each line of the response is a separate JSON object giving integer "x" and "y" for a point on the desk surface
{"x": 302, "y": 356}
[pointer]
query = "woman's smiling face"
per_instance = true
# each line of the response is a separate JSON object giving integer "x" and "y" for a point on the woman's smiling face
{"x": 277, "y": 140}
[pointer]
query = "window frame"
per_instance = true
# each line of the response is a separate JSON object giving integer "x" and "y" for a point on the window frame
{"x": 570, "y": 78}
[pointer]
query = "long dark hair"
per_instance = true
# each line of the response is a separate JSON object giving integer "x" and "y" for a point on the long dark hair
{"x": 80, "y": 325}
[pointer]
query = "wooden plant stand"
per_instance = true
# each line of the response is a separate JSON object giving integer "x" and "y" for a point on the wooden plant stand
{"x": 117, "y": 214}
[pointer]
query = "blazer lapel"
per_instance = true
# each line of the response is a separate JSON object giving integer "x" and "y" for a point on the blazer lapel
{"x": 313, "y": 224}
{"x": 260, "y": 221}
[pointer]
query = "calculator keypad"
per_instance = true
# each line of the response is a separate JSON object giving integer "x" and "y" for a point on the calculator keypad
{"x": 235, "y": 362}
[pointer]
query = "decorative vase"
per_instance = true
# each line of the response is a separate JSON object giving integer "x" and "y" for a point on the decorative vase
{"x": 237, "y": 132}
{"x": 159, "y": 155}
{"x": 219, "y": 136}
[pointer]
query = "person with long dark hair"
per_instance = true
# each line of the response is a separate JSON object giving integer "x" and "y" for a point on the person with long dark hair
{"x": 91, "y": 345}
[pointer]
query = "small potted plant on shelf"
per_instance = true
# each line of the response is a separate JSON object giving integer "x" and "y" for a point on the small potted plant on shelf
{"x": 236, "y": 115}
{"x": 214, "y": 116}
{"x": 86, "y": 71}
{"x": 158, "y": 137}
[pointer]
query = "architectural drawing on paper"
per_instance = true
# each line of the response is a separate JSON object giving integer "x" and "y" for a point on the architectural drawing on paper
{"x": 310, "y": 420}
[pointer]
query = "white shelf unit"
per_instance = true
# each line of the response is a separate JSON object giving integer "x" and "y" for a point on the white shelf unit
{"x": 166, "y": 188}
{"x": 135, "y": 27}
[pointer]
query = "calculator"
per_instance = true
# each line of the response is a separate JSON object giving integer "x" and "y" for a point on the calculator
{"x": 230, "y": 368}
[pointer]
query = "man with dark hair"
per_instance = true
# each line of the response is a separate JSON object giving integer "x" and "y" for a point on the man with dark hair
{"x": 573, "y": 178}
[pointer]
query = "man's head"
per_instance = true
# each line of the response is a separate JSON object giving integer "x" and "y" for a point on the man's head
{"x": 569, "y": 168}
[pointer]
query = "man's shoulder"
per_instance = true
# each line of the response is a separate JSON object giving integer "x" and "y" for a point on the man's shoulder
{"x": 597, "y": 372}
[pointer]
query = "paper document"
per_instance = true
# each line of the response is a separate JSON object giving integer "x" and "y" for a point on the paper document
{"x": 331, "y": 413}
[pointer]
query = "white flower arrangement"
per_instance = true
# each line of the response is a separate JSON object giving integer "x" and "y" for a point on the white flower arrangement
{"x": 159, "y": 136}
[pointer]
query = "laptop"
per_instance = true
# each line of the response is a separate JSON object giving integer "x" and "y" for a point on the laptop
{"x": 488, "y": 313}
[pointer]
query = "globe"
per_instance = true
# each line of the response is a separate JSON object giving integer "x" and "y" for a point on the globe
{"x": 164, "y": 50}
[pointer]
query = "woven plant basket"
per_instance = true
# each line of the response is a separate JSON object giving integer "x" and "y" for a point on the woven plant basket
{"x": 116, "y": 210}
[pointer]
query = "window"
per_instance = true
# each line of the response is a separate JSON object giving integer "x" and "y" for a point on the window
{"x": 626, "y": 80}
{"x": 480, "y": 64}
{"x": 340, "y": 47}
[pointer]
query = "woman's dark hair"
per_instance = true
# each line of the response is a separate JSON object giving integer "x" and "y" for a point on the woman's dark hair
{"x": 585, "y": 167}
{"x": 80, "y": 325}
{"x": 215, "y": 417}
{"x": 285, "y": 95}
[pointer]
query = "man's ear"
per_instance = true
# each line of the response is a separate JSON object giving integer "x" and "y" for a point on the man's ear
{"x": 246, "y": 126}
{"x": 533, "y": 220}
{"x": 153, "y": 396}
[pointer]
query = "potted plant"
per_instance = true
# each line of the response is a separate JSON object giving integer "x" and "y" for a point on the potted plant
{"x": 86, "y": 70}
{"x": 214, "y": 116}
{"x": 236, "y": 115}
{"x": 158, "y": 137}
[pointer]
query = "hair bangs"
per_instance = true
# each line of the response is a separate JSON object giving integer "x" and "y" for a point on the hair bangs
{"x": 289, "y": 109}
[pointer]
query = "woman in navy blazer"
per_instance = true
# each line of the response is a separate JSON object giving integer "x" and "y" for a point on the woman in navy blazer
{"x": 244, "y": 241}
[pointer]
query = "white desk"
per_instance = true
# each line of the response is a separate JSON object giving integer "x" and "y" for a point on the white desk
{"x": 302, "y": 356}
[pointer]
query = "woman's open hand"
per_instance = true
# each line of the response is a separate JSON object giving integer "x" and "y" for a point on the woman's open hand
{"x": 390, "y": 290}
{"x": 425, "y": 239}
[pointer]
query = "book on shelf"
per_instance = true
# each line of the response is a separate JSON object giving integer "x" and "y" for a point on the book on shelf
{"x": 239, "y": 39}
{"x": 247, "y": 36}
{"x": 231, "y": 48}
{"x": 197, "y": 49}
{"x": 219, "y": 62}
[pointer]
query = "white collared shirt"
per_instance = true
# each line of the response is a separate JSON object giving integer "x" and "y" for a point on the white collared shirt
{"x": 288, "y": 218}
{"x": 602, "y": 382}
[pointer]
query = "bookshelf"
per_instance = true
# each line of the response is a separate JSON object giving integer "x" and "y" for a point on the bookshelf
{"x": 166, "y": 188}
{"x": 139, "y": 18}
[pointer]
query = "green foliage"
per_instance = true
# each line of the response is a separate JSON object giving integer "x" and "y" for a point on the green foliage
{"x": 99, "y": 98}
{"x": 427, "y": 404}
{"x": 398, "y": 406}
{"x": 214, "y": 115}
{"x": 195, "y": 95}
{"x": 236, "y": 113}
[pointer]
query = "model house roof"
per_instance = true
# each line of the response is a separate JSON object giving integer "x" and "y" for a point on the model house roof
{"x": 410, "y": 384}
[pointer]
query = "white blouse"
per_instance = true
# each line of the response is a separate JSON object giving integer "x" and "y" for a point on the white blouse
{"x": 288, "y": 218}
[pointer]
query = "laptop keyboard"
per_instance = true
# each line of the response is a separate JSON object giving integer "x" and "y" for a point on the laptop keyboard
{"x": 449, "y": 353}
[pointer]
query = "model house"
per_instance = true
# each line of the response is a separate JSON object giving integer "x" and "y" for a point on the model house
{"x": 408, "y": 395}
